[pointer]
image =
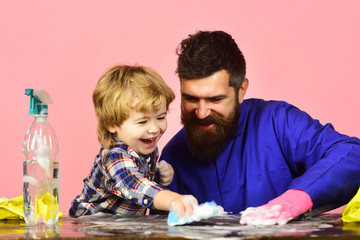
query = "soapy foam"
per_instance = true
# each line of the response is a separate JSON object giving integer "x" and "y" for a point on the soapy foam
{"x": 203, "y": 211}
{"x": 259, "y": 216}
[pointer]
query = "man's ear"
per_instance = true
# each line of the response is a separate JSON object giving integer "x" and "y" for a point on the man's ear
{"x": 242, "y": 90}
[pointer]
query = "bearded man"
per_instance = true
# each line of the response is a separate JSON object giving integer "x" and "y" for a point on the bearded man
{"x": 245, "y": 153}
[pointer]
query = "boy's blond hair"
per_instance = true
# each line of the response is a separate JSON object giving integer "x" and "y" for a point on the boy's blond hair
{"x": 125, "y": 88}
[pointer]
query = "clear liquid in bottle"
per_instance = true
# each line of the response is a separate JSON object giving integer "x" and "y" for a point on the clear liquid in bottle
{"x": 41, "y": 174}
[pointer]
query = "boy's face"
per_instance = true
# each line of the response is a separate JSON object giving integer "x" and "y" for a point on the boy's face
{"x": 142, "y": 132}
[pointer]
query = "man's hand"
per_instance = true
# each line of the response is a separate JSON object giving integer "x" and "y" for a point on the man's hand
{"x": 280, "y": 210}
{"x": 166, "y": 173}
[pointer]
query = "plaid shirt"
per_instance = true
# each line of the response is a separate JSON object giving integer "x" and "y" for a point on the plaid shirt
{"x": 120, "y": 182}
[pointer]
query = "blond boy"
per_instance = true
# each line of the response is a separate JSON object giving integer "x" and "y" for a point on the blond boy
{"x": 131, "y": 104}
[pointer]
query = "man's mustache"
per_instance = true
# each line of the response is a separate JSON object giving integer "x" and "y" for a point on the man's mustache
{"x": 191, "y": 118}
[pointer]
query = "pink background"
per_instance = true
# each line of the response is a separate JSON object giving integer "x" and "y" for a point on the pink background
{"x": 303, "y": 51}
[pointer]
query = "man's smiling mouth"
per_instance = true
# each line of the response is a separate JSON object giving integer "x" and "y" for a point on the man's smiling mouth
{"x": 205, "y": 126}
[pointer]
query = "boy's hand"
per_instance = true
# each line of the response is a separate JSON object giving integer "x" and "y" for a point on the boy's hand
{"x": 184, "y": 205}
{"x": 166, "y": 173}
{"x": 181, "y": 205}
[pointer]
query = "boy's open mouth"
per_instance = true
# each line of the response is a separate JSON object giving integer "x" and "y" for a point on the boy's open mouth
{"x": 149, "y": 140}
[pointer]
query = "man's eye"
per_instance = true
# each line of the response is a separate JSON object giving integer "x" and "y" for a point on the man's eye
{"x": 217, "y": 99}
{"x": 142, "y": 122}
{"x": 190, "y": 99}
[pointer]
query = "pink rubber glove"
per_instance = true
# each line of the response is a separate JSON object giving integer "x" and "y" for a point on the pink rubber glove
{"x": 280, "y": 210}
{"x": 166, "y": 173}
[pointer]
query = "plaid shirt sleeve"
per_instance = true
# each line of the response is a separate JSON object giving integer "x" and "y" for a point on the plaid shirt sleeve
{"x": 125, "y": 179}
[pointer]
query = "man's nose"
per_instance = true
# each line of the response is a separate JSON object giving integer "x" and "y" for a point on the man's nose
{"x": 202, "y": 110}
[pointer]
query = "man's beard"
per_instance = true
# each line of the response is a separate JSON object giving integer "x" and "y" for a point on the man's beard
{"x": 207, "y": 144}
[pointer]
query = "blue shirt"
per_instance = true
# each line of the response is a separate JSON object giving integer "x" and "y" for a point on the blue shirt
{"x": 120, "y": 182}
{"x": 276, "y": 147}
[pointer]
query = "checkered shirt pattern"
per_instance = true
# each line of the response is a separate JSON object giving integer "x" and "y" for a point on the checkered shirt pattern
{"x": 120, "y": 182}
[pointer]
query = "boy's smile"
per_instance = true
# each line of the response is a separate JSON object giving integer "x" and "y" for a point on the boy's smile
{"x": 150, "y": 142}
{"x": 140, "y": 131}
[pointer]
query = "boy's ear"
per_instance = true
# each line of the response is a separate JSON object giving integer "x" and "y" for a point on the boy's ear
{"x": 111, "y": 129}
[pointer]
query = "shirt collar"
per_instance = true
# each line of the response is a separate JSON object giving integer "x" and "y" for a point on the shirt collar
{"x": 118, "y": 143}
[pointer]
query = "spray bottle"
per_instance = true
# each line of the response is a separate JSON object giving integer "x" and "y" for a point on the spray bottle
{"x": 41, "y": 169}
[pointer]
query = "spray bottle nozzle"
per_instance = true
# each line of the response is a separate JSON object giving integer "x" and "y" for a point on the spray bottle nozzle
{"x": 39, "y": 99}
